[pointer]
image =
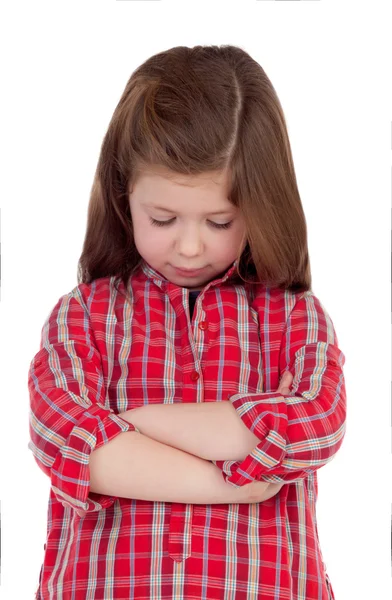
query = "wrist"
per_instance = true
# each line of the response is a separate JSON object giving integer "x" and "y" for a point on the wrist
{"x": 132, "y": 416}
{"x": 236, "y": 495}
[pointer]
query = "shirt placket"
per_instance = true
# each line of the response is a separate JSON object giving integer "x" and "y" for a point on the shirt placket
{"x": 180, "y": 531}
{"x": 181, "y": 515}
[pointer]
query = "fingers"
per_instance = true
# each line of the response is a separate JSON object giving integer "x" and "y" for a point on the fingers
{"x": 286, "y": 379}
{"x": 285, "y": 382}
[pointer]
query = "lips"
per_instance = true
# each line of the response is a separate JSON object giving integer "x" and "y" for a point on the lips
{"x": 189, "y": 272}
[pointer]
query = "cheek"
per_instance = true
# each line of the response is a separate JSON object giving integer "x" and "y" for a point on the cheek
{"x": 151, "y": 239}
{"x": 238, "y": 234}
{"x": 234, "y": 244}
{"x": 226, "y": 249}
{"x": 241, "y": 238}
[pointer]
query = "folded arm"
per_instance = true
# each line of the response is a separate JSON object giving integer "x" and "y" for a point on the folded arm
{"x": 267, "y": 436}
{"x": 209, "y": 430}
{"x": 302, "y": 432}
{"x": 68, "y": 419}
{"x": 81, "y": 445}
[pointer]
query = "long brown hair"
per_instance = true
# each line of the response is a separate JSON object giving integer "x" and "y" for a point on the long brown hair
{"x": 191, "y": 111}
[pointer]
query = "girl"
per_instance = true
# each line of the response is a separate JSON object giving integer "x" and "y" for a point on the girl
{"x": 181, "y": 464}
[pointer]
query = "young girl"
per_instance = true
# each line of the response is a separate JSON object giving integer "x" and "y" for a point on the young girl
{"x": 181, "y": 464}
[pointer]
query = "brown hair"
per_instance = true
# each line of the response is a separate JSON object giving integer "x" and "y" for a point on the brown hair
{"x": 191, "y": 111}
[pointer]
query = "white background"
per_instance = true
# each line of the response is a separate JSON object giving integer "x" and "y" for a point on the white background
{"x": 64, "y": 68}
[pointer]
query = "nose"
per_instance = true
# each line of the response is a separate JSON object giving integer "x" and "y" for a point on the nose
{"x": 189, "y": 242}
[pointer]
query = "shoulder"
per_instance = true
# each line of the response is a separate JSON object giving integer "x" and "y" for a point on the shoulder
{"x": 99, "y": 289}
{"x": 100, "y": 296}
{"x": 282, "y": 308}
{"x": 276, "y": 300}
{"x": 278, "y": 307}
{"x": 85, "y": 293}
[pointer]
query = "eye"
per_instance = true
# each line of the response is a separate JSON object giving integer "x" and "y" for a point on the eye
{"x": 215, "y": 225}
{"x": 159, "y": 223}
{"x": 221, "y": 225}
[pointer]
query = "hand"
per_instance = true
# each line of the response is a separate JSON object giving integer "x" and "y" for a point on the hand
{"x": 285, "y": 383}
{"x": 261, "y": 490}
{"x": 132, "y": 416}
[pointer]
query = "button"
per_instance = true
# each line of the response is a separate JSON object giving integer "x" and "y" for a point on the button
{"x": 38, "y": 363}
{"x": 195, "y": 376}
{"x": 203, "y": 325}
{"x": 229, "y": 396}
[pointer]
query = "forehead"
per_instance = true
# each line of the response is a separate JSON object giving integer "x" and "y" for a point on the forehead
{"x": 157, "y": 187}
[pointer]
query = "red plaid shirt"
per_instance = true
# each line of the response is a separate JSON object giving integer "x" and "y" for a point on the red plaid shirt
{"x": 101, "y": 355}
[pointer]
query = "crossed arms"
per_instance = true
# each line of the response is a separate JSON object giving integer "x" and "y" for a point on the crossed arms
{"x": 209, "y": 430}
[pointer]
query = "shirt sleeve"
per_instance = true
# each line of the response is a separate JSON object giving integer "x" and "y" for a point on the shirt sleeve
{"x": 68, "y": 418}
{"x": 301, "y": 432}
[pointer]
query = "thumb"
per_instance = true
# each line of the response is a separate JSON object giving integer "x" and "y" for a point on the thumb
{"x": 287, "y": 379}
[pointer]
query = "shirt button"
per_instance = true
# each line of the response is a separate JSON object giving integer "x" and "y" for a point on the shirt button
{"x": 195, "y": 375}
{"x": 37, "y": 363}
{"x": 203, "y": 325}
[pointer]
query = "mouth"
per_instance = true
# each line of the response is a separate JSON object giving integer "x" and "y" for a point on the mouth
{"x": 189, "y": 272}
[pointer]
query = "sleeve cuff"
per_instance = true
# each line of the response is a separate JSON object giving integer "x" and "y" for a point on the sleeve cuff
{"x": 265, "y": 415}
{"x": 70, "y": 473}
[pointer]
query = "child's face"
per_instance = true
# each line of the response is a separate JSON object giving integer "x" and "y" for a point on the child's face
{"x": 189, "y": 240}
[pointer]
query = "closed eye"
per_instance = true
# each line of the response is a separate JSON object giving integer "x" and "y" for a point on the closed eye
{"x": 216, "y": 225}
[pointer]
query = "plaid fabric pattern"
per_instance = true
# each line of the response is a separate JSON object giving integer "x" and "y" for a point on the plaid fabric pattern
{"x": 101, "y": 355}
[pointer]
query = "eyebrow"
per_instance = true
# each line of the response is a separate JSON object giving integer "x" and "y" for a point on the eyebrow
{"x": 218, "y": 212}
